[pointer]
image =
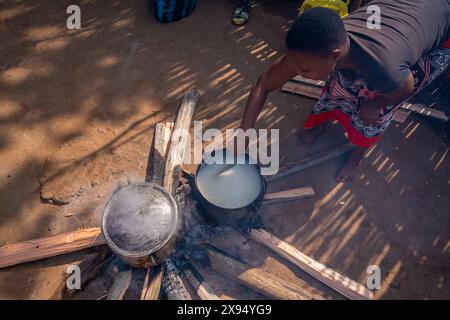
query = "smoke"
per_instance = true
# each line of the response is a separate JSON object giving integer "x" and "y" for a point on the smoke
{"x": 193, "y": 229}
{"x": 108, "y": 189}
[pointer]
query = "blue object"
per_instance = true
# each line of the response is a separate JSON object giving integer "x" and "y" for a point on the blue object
{"x": 171, "y": 10}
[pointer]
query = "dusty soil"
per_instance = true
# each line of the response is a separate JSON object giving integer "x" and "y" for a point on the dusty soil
{"x": 77, "y": 112}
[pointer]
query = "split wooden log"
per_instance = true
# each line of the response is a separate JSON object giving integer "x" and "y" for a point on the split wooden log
{"x": 163, "y": 131}
{"x": 41, "y": 248}
{"x": 120, "y": 285}
{"x": 313, "y": 89}
{"x": 152, "y": 283}
{"x": 312, "y": 161}
{"x": 147, "y": 281}
{"x": 401, "y": 116}
{"x": 178, "y": 141}
{"x": 425, "y": 111}
{"x": 172, "y": 283}
{"x": 316, "y": 83}
{"x": 90, "y": 267}
{"x": 201, "y": 287}
{"x": 288, "y": 195}
{"x": 310, "y": 91}
{"x": 257, "y": 279}
{"x": 167, "y": 169}
{"x": 335, "y": 280}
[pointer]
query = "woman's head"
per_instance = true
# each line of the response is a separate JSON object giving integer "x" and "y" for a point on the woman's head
{"x": 316, "y": 42}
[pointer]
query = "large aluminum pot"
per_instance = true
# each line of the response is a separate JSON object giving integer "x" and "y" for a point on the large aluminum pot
{"x": 139, "y": 224}
{"x": 219, "y": 214}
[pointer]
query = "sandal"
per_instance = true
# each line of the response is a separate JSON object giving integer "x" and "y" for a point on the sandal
{"x": 241, "y": 15}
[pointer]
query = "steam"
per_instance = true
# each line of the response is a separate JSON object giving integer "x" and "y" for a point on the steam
{"x": 139, "y": 218}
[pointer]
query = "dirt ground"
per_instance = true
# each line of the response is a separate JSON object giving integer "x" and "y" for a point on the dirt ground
{"x": 77, "y": 112}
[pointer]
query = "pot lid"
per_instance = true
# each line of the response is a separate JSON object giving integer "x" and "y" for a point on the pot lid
{"x": 139, "y": 219}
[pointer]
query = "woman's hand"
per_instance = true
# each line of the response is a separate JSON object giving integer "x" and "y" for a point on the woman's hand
{"x": 370, "y": 111}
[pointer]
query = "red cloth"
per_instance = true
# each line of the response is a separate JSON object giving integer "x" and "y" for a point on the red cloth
{"x": 344, "y": 120}
{"x": 447, "y": 44}
{"x": 354, "y": 136}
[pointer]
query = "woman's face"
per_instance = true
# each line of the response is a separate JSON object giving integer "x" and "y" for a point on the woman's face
{"x": 312, "y": 66}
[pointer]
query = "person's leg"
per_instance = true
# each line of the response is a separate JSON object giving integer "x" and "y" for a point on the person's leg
{"x": 348, "y": 169}
{"x": 339, "y": 102}
{"x": 308, "y": 136}
{"x": 241, "y": 13}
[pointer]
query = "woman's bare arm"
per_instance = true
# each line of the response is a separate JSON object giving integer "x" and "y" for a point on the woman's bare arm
{"x": 278, "y": 74}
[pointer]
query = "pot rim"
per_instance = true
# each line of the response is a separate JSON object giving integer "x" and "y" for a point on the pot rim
{"x": 131, "y": 254}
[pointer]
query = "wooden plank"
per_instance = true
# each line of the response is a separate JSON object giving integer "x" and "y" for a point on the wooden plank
{"x": 257, "y": 279}
{"x": 288, "y": 195}
{"x": 302, "y": 89}
{"x": 172, "y": 283}
{"x": 425, "y": 111}
{"x": 312, "y": 161}
{"x": 335, "y": 280}
{"x": 316, "y": 83}
{"x": 401, "y": 116}
{"x": 146, "y": 285}
{"x": 178, "y": 141}
{"x": 120, "y": 286}
{"x": 172, "y": 167}
{"x": 90, "y": 267}
{"x": 190, "y": 289}
{"x": 163, "y": 131}
{"x": 202, "y": 288}
{"x": 154, "y": 283}
{"x": 41, "y": 248}
{"x": 167, "y": 169}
